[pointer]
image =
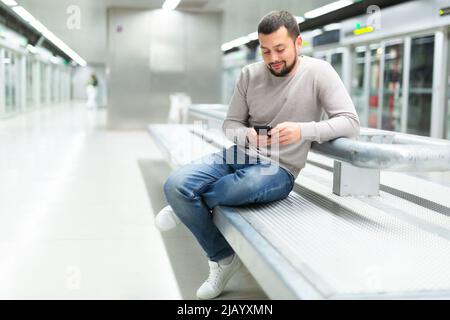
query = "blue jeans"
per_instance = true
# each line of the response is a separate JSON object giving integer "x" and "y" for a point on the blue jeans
{"x": 196, "y": 188}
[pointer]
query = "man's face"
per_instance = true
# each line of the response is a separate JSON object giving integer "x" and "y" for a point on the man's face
{"x": 279, "y": 51}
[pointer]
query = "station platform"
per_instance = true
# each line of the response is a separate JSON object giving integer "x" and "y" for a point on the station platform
{"x": 77, "y": 222}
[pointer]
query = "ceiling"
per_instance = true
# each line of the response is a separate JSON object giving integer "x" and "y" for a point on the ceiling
{"x": 90, "y": 40}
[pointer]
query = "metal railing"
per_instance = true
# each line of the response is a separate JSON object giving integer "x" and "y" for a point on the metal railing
{"x": 358, "y": 161}
{"x": 376, "y": 149}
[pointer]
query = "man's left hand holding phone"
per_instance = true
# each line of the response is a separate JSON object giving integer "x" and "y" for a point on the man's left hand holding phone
{"x": 260, "y": 136}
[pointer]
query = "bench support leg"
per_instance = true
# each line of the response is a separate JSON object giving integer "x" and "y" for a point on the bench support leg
{"x": 349, "y": 180}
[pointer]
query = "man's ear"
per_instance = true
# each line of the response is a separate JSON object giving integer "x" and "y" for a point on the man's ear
{"x": 298, "y": 42}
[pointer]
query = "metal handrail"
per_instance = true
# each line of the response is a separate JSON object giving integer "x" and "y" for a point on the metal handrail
{"x": 384, "y": 150}
{"x": 374, "y": 148}
{"x": 404, "y": 138}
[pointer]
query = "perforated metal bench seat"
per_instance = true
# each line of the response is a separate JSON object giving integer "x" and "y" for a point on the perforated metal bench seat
{"x": 309, "y": 247}
{"x": 317, "y": 245}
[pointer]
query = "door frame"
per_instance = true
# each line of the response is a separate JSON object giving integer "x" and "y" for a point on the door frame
{"x": 440, "y": 64}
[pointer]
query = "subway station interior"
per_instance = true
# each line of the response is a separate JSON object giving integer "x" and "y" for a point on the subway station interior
{"x": 101, "y": 101}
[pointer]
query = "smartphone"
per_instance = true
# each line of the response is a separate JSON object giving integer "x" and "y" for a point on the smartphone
{"x": 263, "y": 130}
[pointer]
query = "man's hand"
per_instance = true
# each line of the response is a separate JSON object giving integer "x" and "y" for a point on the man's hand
{"x": 258, "y": 140}
{"x": 286, "y": 133}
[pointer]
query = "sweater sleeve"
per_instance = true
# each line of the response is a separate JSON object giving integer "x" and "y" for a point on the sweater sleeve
{"x": 235, "y": 125}
{"x": 334, "y": 99}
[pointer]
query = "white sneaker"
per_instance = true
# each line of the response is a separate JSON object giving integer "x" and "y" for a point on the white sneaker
{"x": 218, "y": 278}
{"x": 166, "y": 219}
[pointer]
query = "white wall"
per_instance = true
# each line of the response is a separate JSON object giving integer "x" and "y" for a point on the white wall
{"x": 153, "y": 53}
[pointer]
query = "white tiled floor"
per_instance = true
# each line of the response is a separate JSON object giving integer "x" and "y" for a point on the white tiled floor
{"x": 75, "y": 219}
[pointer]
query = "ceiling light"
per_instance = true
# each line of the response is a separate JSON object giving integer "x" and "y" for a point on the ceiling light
{"x": 38, "y": 26}
{"x": 235, "y": 43}
{"x": 64, "y": 47}
{"x": 28, "y": 17}
{"x": 328, "y": 8}
{"x": 170, "y": 4}
{"x": 253, "y": 36}
{"x": 299, "y": 19}
{"x": 10, "y": 3}
{"x": 24, "y": 14}
{"x": 226, "y": 46}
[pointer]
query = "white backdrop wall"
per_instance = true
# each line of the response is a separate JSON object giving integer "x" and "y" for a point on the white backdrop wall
{"x": 153, "y": 53}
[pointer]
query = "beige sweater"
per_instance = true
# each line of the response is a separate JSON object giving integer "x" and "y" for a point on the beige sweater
{"x": 260, "y": 98}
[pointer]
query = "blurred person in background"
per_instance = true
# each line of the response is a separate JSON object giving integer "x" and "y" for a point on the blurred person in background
{"x": 92, "y": 92}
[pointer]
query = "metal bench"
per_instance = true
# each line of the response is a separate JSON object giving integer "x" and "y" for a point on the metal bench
{"x": 316, "y": 244}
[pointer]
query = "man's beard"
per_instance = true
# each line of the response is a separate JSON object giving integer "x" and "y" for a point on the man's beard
{"x": 286, "y": 70}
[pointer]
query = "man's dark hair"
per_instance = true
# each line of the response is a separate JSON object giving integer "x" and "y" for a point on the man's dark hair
{"x": 274, "y": 20}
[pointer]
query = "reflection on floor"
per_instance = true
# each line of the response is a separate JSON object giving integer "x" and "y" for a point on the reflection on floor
{"x": 75, "y": 218}
{"x": 77, "y": 205}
